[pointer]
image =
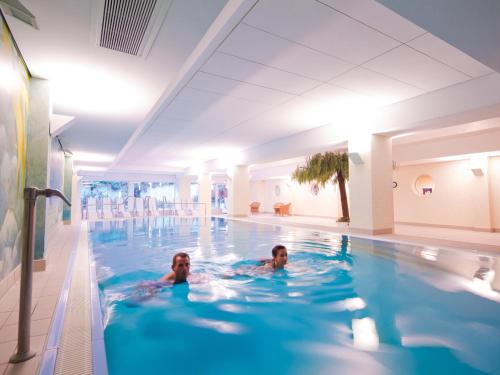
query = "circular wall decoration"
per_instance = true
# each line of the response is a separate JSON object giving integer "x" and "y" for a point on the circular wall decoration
{"x": 314, "y": 188}
{"x": 424, "y": 185}
{"x": 277, "y": 190}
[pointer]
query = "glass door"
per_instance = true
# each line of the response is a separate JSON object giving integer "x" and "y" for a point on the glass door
{"x": 219, "y": 197}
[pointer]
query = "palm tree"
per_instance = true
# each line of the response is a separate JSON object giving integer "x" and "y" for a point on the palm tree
{"x": 322, "y": 168}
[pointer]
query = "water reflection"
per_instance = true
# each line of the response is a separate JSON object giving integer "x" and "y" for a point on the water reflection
{"x": 365, "y": 334}
{"x": 343, "y": 303}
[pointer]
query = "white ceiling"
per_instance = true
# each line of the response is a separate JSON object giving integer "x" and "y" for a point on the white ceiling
{"x": 287, "y": 66}
{"x": 87, "y": 79}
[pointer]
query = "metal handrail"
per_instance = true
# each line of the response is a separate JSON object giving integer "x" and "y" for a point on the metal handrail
{"x": 161, "y": 205}
{"x": 23, "y": 334}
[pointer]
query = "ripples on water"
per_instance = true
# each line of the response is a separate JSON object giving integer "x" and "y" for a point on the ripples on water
{"x": 342, "y": 305}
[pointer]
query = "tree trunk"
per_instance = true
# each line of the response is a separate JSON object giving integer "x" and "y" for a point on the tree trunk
{"x": 343, "y": 195}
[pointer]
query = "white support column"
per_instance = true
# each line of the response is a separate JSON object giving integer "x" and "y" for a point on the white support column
{"x": 370, "y": 184}
{"x": 183, "y": 186}
{"x": 205, "y": 194}
{"x": 239, "y": 191}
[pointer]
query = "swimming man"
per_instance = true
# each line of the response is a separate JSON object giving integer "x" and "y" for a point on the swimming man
{"x": 280, "y": 258}
{"x": 180, "y": 269}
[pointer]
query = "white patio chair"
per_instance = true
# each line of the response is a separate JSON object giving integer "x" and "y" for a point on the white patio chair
{"x": 107, "y": 208}
{"x": 139, "y": 207}
{"x": 186, "y": 210}
{"x": 120, "y": 208}
{"x": 152, "y": 210}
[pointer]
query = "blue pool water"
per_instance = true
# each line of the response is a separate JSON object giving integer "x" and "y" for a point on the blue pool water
{"x": 344, "y": 305}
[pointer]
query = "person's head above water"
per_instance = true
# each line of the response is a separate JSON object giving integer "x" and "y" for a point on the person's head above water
{"x": 180, "y": 267}
{"x": 280, "y": 256}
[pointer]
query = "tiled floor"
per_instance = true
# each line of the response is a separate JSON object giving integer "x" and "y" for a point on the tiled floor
{"x": 432, "y": 236}
{"x": 46, "y": 288}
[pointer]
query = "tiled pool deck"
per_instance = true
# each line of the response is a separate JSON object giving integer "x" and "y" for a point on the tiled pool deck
{"x": 46, "y": 291}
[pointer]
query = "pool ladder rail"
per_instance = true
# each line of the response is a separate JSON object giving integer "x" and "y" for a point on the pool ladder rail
{"x": 23, "y": 337}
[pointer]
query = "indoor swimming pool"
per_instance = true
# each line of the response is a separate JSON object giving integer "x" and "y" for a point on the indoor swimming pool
{"x": 342, "y": 305}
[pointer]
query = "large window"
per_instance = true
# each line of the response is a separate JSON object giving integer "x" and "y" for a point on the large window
{"x": 194, "y": 191}
{"x": 104, "y": 189}
{"x": 219, "y": 196}
{"x": 118, "y": 189}
{"x": 158, "y": 190}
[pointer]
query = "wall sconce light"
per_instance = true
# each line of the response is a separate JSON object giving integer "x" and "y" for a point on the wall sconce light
{"x": 478, "y": 165}
{"x": 356, "y": 158}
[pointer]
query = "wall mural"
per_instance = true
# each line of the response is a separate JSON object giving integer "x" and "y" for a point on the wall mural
{"x": 56, "y": 167}
{"x": 14, "y": 85}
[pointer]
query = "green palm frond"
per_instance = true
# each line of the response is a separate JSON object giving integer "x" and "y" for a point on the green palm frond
{"x": 322, "y": 168}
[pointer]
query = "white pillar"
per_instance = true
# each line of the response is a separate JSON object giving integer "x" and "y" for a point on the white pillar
{"x": 183, "y": 186}
{"x": 76, "y": 208}
{"x": 370, "y": 184}
{"x": 239, "y": 191}
{"x": 205, "y": 194}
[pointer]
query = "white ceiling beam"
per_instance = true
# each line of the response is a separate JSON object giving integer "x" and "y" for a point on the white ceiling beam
{"x": 473, "y": 100}
{"x": 470, "y": 26}
{"x": 463, "y": 144}
{"x": 228, "y": 19}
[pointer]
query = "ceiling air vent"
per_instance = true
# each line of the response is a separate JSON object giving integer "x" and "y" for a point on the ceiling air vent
{"x": 128, "y": 26}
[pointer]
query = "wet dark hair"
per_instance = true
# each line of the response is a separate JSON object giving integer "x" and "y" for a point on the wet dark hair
{"x": 182, "y": 255}
{"x": 276, "y": 250}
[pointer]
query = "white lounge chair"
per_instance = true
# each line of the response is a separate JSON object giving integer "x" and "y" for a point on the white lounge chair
{"x": 169, "y": 209}
{"x": 152, "y": 210}
{"x": 186, "y": 210}
{"x": 120, "y": 208}
{"x": 107, "y": 208}
{"x": 92, "y": 213}
{"x": 129, "y": 207}
{"x": 139, "y": 207}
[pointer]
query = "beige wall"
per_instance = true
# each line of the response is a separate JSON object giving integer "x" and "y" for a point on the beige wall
{"x": 326, "y": 203}
{"x": 459, "y": 198}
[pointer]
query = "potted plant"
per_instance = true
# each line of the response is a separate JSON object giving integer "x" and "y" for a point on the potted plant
{"x": 322, "y": 168}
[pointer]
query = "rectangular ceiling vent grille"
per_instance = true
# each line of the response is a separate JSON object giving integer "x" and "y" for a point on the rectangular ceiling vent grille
{"x": 124, "y": 24}
{"x": 128, "y": 26}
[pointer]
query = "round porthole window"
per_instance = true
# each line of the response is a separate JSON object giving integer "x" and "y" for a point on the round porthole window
{"x": 277, "y": 190}
{"x": 424, "y": 185}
